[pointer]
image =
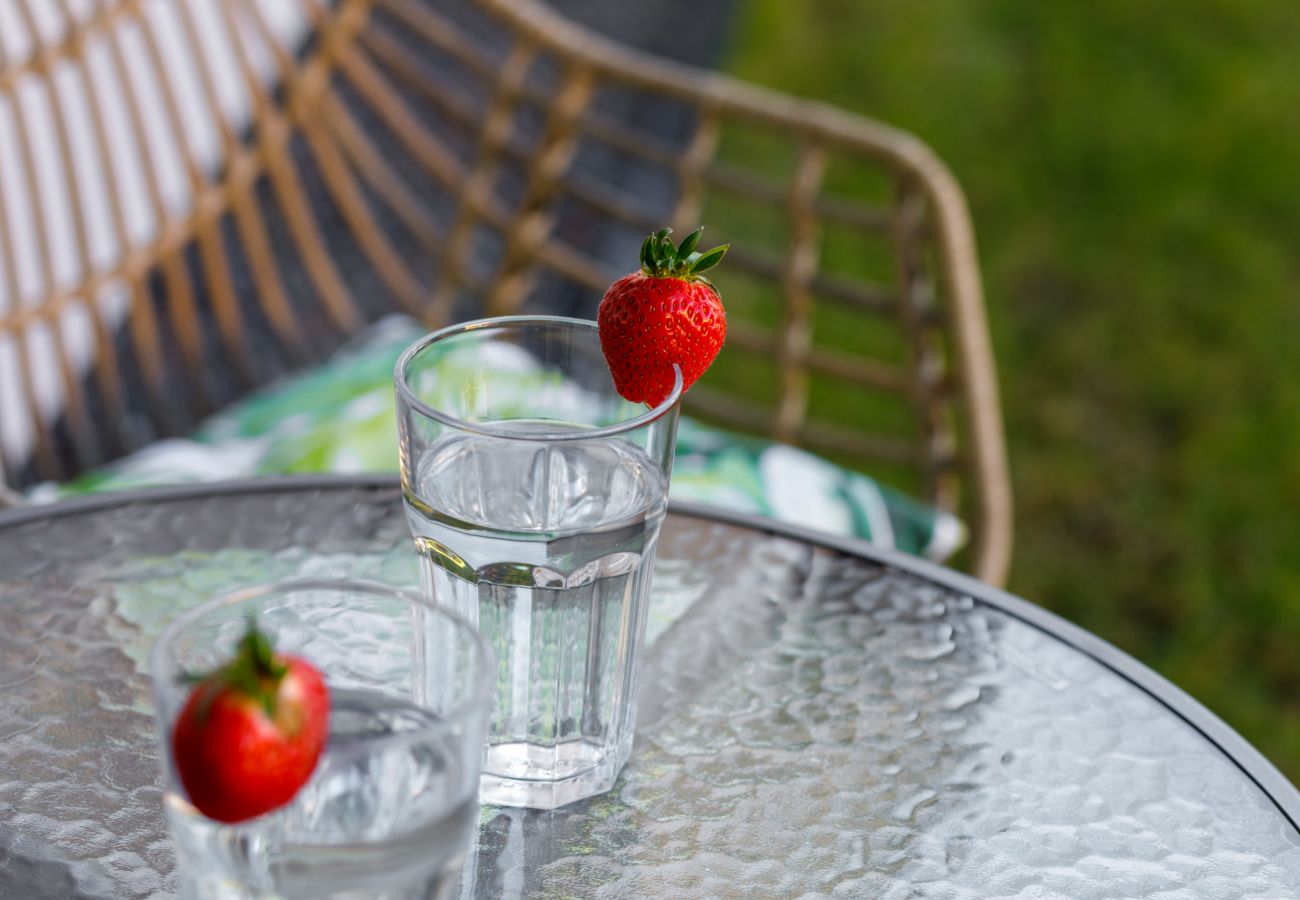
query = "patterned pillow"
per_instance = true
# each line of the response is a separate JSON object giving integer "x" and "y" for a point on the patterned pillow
{"x": 340, "y": 418}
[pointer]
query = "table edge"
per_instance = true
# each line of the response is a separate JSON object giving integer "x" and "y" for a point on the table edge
{"x": 1250, "y": 761}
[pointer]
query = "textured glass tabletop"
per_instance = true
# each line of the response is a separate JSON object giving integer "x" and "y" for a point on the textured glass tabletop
{"x": 813, "y": 722}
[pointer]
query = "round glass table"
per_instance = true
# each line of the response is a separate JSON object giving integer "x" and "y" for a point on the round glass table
{"x": 818, "y": 718}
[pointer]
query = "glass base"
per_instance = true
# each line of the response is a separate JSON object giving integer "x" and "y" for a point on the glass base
{"x": 547, "y": 777}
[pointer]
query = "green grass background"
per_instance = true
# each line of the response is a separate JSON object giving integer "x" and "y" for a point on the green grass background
{"x": 1134, "y": 175}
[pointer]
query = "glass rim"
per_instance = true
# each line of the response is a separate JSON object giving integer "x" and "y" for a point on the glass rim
{"x": 491, "y": 429}
{"x": 483, "y": 681}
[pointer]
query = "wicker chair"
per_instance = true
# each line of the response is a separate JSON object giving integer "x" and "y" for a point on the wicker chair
{"x": 189, "y": 231}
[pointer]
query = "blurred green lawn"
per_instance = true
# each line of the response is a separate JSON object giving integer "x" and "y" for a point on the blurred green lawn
{"x": 1133, "y": 174}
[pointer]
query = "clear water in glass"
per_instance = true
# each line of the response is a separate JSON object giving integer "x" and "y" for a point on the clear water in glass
{"x": 547, "y": 547}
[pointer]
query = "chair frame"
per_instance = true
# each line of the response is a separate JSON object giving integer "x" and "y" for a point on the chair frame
{"x": 949, "y": 378}
{"x": 818, "y": 125}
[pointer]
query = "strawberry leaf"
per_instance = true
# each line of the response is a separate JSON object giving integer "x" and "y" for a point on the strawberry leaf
{"x": 688, "y": 245}
{"x": 663, "y": 259}
{"x": 709, "y": 260}
{"x": 647, "y": 257}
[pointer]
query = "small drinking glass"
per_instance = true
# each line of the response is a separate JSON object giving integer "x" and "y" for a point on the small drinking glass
{"x": 392, "y": 804}
{"x": 535, "y": 494}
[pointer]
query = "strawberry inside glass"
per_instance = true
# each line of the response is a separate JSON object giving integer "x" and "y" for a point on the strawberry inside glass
{"x": 251, "y": 732}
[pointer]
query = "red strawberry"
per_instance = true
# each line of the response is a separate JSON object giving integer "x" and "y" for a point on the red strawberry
{"x": 251, "y": 732}
{"x": 666, "y": 313}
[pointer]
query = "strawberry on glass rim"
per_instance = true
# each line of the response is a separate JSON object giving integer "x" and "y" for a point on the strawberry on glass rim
{"x": 250, "y": 734}
{"x": 666, "y": 313}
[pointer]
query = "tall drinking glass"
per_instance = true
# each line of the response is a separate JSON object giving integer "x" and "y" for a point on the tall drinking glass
{"x": 390, "y": 808}
{"x": 535, "y": 495}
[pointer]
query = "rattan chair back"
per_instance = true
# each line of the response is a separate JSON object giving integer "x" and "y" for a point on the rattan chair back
{"x": 197, "y": 195}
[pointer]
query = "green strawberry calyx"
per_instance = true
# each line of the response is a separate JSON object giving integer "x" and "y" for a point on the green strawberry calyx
{"x": 660, "y": 258}
{"x": 254, "y": 672}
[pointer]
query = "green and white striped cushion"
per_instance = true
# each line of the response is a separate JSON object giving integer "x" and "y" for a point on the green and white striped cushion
{"x": 340, "y": 418}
